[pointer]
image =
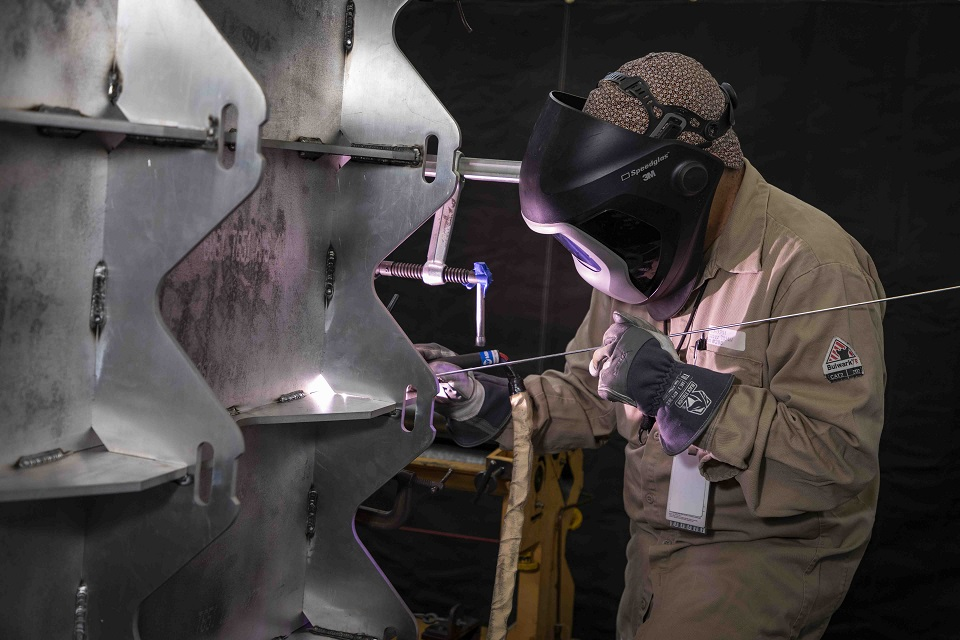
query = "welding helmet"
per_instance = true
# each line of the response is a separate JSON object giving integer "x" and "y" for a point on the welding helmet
{"x": 631, "y": 208}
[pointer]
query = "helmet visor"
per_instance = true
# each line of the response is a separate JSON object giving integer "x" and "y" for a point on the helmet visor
{"x": 636, "y": 242}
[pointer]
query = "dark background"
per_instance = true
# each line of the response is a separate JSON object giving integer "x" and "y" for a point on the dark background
{"x": 851, "y": 106}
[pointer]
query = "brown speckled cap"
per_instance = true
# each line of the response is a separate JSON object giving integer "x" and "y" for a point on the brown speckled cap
{"x": 674, "y": 80}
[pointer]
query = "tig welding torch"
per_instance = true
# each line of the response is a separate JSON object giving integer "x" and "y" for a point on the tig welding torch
{"x": 478, "y": 359}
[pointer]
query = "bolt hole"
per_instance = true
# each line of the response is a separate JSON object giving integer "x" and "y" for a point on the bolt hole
{"x": 409, "y": 402}
{"x": 203, "y": 487}
{"x": 227, "y": 151}
{"x": 430, "y": 146}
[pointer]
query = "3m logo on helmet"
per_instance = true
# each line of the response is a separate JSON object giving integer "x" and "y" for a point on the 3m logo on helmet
{"x": 640, "y": 170}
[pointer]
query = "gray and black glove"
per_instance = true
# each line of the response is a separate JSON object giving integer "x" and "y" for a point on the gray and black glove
{"x": 638, "y": 366}
{"x": 476, "y": 405}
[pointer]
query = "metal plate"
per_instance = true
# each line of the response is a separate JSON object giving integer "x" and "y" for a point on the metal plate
{"x": 160, "y": 203}
{"x": 316, "y": 408}
{"x": 345, "y": 590}
{"x": 384, "y": 99}
{"x": 247, "y": 304}
{"x": 41, "y": 551}
{"x": 150, "y": 400}
{"x": 249, "y": 582}
{"x": 295, "y": 51}
{"x": 91, "y": 472}
{"x": 57, "y": 54}
{"x": 50, "y": 242}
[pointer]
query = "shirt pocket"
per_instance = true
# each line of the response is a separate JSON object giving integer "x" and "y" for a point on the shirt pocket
{"x": 746, "y": 370}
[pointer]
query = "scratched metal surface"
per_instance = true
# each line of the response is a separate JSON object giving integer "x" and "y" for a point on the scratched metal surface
{"x": 57, "y": 54}
{"x": 294, "y": 49}
{"x": 46, "y": 346}
{"x": 247, "y": 303}
{"x": 51, "y": 207}
{"x": 50, "y": 238}
{"x": 249, "y": 582}
{"x": 41, "y": 553}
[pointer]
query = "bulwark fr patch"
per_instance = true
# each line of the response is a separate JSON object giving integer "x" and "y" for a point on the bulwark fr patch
{"x": 842, "y": 362}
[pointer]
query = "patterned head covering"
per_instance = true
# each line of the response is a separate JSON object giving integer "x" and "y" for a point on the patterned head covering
{"x": 674, "y": 80}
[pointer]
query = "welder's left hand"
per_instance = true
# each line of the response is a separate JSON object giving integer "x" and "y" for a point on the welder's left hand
{"x": 638, "y": 365}
{"x": 477, "y": 405}
{"x": 460, "y": 395}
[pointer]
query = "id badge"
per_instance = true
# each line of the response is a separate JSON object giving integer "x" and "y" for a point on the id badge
{"x": 688, "y": 494}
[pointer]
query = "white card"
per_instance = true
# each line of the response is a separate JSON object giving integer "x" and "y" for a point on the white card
{"x": 688, "y": 494}
{"x": 728, "y": 339}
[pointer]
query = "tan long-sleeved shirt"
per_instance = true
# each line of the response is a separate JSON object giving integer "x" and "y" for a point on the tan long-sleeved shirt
{"x": 792, "y": 453}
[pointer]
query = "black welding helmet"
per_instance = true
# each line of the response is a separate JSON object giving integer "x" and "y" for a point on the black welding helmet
{"x": 632, "y": 209}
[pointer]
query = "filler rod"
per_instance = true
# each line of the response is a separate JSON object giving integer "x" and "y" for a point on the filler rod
{"x": 722, "y": 326}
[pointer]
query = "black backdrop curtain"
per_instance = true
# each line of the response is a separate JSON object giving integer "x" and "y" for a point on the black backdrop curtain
{"x": 852, "y": 106}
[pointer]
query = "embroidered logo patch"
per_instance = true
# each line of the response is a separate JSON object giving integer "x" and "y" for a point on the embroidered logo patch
{"x": 842, "y": 362}
{"x": 693, "y": 399}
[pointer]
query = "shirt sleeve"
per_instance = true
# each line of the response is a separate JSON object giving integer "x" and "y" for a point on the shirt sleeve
{"x": 810, "y": 441}
{"x": 567, "y": 412}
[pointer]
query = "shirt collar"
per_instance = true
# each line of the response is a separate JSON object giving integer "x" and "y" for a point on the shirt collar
{"x": 738, "y": 248}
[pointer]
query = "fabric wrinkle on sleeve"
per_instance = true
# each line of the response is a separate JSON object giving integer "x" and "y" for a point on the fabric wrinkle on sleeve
{"x": 806, "y": 443}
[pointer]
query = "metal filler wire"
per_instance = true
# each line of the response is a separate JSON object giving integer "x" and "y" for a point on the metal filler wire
{"x": 719, "y": 327}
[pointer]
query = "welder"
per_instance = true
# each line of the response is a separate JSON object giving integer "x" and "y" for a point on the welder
{"x": 751, "y": 470}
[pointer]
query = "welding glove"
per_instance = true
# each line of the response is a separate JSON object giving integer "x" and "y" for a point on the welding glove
{"x": 639, "y": 366}
{"x": 476, "y": 405}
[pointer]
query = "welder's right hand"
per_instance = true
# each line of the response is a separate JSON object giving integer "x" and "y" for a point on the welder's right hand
{"x": 477, "y": 406}
{"x": 460, "y": 395}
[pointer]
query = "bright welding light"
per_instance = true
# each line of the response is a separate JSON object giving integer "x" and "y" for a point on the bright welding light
{"x": 321, "y": 387}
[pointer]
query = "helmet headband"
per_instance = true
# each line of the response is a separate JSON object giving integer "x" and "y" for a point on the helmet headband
{"x": 676, "y": 119}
